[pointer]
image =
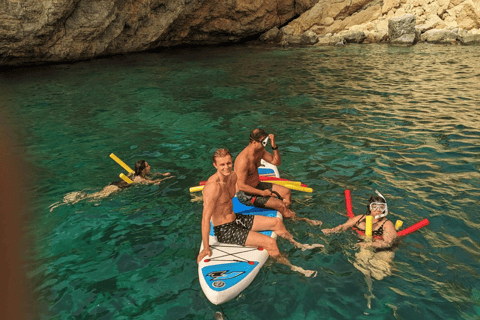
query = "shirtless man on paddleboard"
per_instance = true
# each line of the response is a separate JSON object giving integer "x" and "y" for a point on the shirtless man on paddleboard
{"x": 239, "y": 229}
{"x": 253, "y": 192}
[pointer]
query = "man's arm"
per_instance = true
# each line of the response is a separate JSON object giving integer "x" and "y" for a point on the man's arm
{"x": 148, "y": 181}
{"x": 274, "y": 159}
{"x": 210, "y": 197}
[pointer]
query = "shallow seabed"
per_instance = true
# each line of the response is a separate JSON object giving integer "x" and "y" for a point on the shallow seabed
{"x": 400, "y": 120}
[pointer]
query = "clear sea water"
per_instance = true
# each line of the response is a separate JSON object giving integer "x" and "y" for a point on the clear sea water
{"x": 404, "y": 121}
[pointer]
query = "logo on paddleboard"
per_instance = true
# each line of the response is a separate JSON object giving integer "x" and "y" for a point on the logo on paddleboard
{"x": 218, "y": 284}
{"x": 223, "y": 275}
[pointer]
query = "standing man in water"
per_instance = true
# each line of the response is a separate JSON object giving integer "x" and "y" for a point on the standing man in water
{"x": 239, "y": 229}
{"x": 253, "y": 192}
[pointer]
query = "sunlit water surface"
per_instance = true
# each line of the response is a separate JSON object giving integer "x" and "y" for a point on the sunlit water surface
{"x": 400, "y": 120}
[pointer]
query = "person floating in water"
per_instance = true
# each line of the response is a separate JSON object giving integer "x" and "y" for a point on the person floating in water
{"x": 375, "y": 257}
{"x": 142, "y": 170}
{"x": 253, "y": 192}
{"x": 383, "y": 230}
{"x": 240, "y": 229}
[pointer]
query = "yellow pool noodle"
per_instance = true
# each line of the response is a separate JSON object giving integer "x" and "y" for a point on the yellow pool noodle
{"x": 121, "y": 163}
{"x": 287, "y": 185}
{"x": 125, "y": 178}
{"x": 398, "y": 224}
{"x": 195, "y": 189}
{"x": 298, "y": 188}
{"x": 282, "y": 183}
{"x": 368, "y": 227}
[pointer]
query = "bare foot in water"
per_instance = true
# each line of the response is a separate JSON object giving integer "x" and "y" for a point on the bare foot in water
{"x": 306, "y": 273}
{"x": 316, "y": 222}
{"x": 311, "y": 246}
{"x": 310, "y": 221}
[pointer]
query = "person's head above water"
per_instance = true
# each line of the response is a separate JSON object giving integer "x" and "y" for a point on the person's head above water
{"x": 377, "y": 204}
{"x": 258, "y": 135}
{"x": 220, "y": 153}
{"x": 142, "y": 168}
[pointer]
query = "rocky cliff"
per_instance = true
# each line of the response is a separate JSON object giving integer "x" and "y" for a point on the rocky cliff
{"x": 33, "y": 31}
{"x": 332, "y": 21}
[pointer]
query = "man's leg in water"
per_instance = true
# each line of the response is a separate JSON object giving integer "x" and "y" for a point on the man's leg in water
{"x": 257, "y": 239}
{"x": 261, "y": 223}
{"x": 284, "y": 192}
{"x": 279, "y": 205}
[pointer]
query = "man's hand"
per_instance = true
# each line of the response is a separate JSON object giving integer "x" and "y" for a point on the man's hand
{"x": 267, "y": 193}
{"x": 205, "y": 252}
{"x": 272, "y": 140}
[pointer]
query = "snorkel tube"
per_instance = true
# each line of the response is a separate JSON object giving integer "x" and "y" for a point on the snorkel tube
{"x": 412, "y": 228}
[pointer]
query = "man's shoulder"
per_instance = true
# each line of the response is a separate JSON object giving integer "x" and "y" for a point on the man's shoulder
{"x": 211, "y": 183}
{"x": 244, "y": 158}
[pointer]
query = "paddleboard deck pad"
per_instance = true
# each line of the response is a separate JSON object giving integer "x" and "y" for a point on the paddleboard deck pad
{"x": 231, "y": 268}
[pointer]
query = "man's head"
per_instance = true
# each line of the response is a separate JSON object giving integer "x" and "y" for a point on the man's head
{"x": 258, "y": 135}
{"x": 222, "y": 161}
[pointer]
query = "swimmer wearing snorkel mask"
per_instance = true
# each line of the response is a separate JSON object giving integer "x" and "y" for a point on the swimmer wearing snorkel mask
{"x": 375, "y": 258}
{"x": 383, "y": 230}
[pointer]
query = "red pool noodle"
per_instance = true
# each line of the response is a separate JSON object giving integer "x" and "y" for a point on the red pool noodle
{"x": 412, "y": 228}
{"x": 348, "y": 203}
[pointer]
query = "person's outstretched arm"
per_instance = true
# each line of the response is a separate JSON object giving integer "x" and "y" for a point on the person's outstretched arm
{"x": 350, "y": 223}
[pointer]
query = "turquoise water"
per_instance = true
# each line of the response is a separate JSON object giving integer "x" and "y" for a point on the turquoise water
{"x": 400, "y": 120}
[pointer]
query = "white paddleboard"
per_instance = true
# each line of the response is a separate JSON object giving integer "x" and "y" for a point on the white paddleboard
{"x": 231, "y": 268}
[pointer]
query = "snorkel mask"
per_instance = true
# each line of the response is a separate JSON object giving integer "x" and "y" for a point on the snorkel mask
{"x": 264, "y": 142}
{"x": 382, "y": 206}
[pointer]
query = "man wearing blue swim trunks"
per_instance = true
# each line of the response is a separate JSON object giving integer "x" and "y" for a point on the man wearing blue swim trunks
{"x": 250, "y": 190}
{"x": 239, "y": 229}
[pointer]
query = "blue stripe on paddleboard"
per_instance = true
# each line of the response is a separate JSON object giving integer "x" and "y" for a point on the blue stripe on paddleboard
{"x": 223, "y": 276}
{"x": 265, "y": 171}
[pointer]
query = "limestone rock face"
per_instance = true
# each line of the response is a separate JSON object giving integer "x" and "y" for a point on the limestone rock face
{"x": 39, "y": 31}
{"x": 372, "y": 17}
{"x": 34, "y": 31}
{"x": 401, "y": 30}
{"x": 440, "y": 36}
{"x": 468, "y": 38}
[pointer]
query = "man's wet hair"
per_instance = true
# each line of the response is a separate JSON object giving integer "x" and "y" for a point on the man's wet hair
{"x": 219, "y": 153}
{"x": 257, "y": 134}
